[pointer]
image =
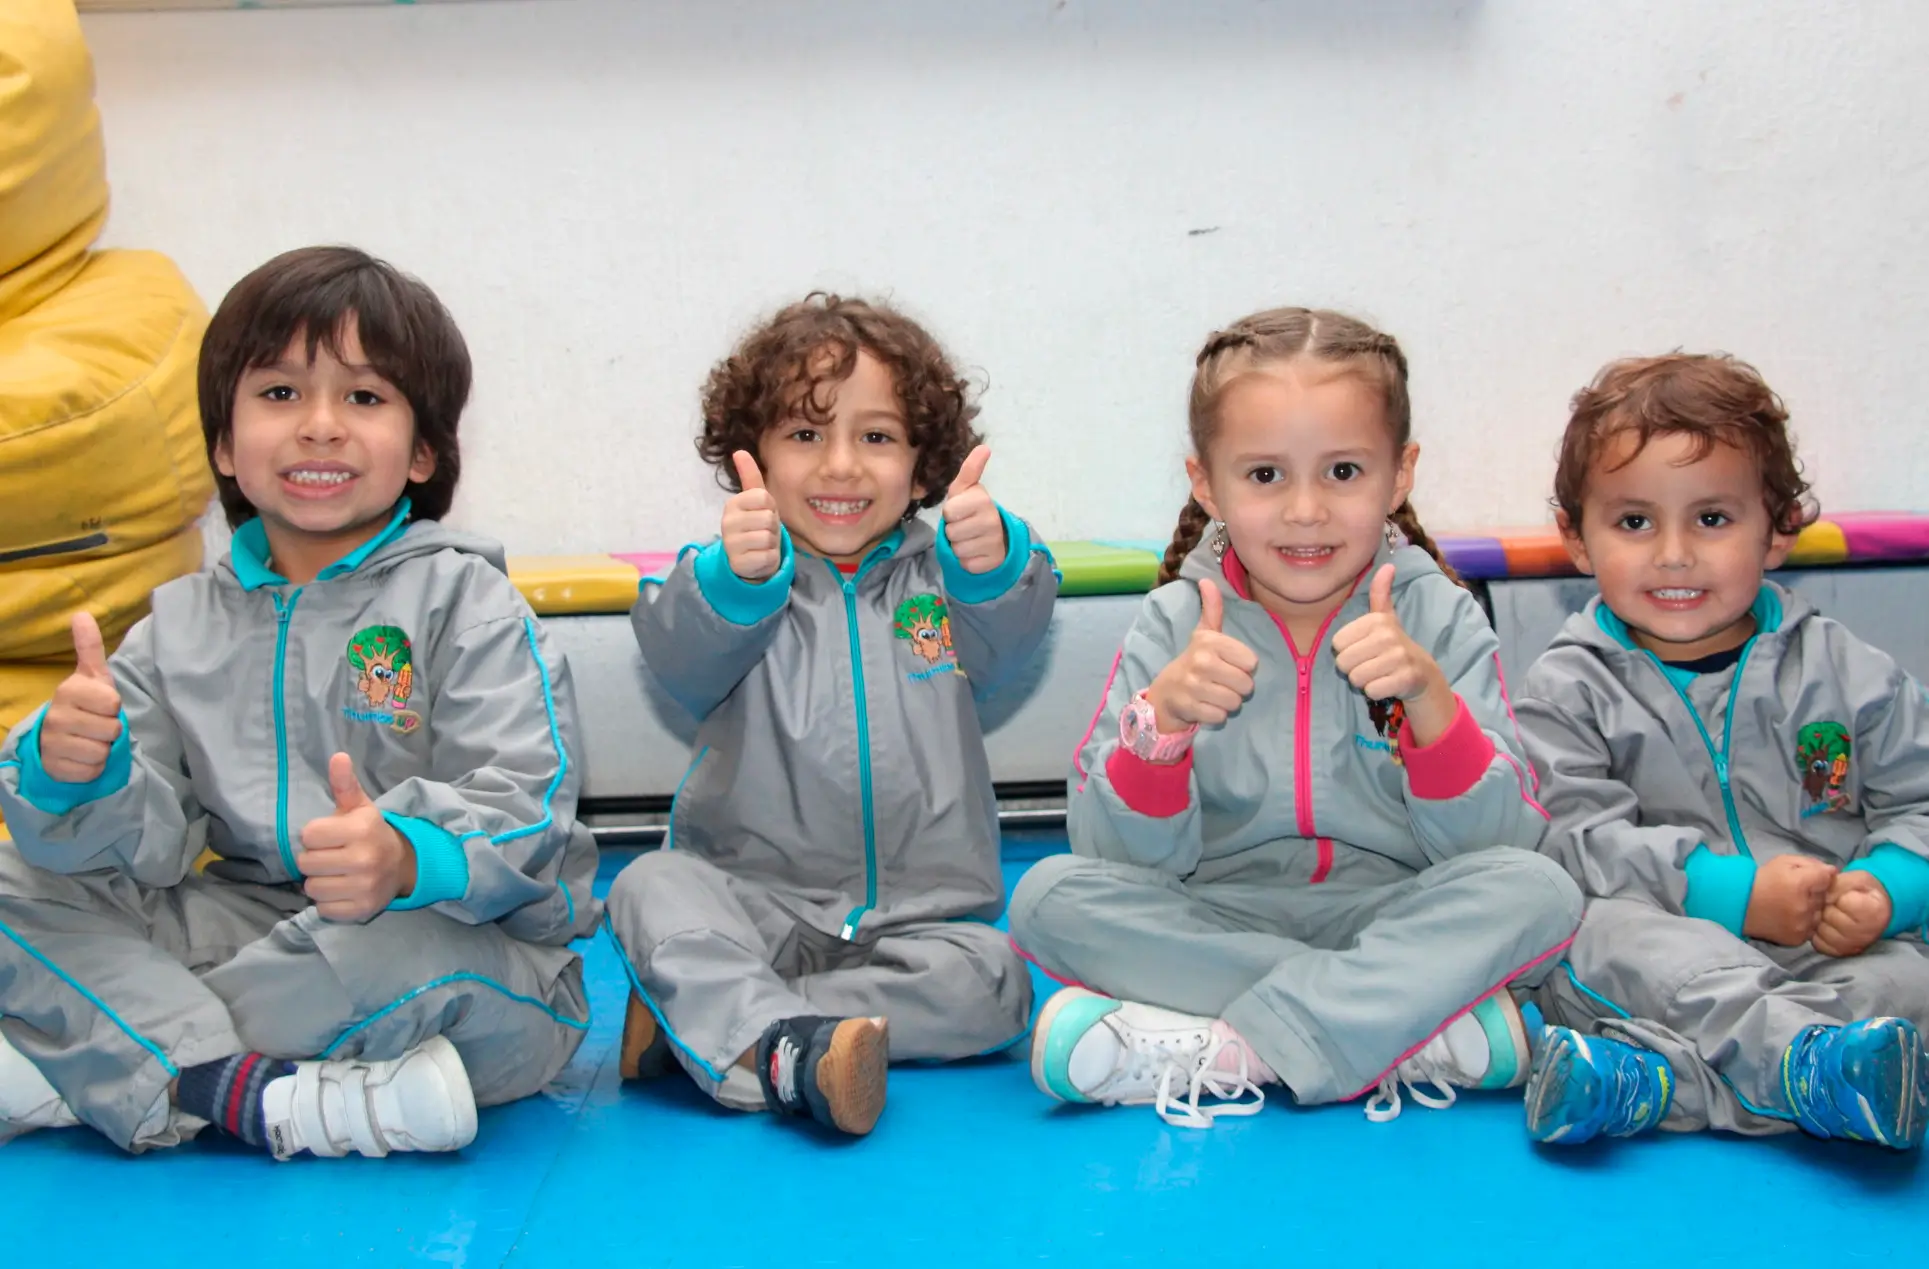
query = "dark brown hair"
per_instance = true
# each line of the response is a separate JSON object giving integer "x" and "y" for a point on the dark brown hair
{"x": 1714, "y": 398}
{"x": 1281, "y": 335}
{"x": 790, "y": 367}
{"x": 313, "y": 293}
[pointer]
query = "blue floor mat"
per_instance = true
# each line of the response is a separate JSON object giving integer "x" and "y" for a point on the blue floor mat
{"x": 969, "y": 1166}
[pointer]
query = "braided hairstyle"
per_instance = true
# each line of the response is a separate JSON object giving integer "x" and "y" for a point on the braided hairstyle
{"x": 1281, "y": 335}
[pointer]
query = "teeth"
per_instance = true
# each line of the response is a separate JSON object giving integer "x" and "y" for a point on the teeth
{"x": 320, "y": 477}
{"x": 1672, "y": 595}
{"x": 838, "y": 507}
{"x": 1306, "y": 552}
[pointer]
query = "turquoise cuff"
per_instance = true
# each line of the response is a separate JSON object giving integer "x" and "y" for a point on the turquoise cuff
{"x": 1719, "y": 887}
{"x": 441, "y": 865}
{"x": 982, "y": 588}
{"x": 57, "y": 797}
{"x": 739, "y": 602}
{"x": 1906, "y": 877}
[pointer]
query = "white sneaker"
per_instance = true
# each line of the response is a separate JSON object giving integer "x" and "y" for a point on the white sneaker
{"x": 419, "y": 1101}
{"x": 27, "y": 1100}
{"x": 1486, "y": 1047}
{"x": 1091, "y": 1048}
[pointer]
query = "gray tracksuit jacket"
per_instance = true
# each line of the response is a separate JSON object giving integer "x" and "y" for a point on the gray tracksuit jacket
{"x": 413, "y": 654}
{"x": 840, "y": 761}
{"x": 1670, "y": 786}
{"x": 1307, "y": 781}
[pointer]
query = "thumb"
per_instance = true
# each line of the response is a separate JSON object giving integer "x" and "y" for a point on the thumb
{"x": 973, "y": 470}
{"x": 348, "y": 791}
{"x": 90, "y": 652}
{"x": 748, "y": 476}
{"x": 1381, "y": 597}
{"x": 1212, "y": 606}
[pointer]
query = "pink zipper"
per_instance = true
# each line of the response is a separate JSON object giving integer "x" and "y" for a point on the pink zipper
{"x": 1303, "y": 742}
{"x": 1234, "y": 571}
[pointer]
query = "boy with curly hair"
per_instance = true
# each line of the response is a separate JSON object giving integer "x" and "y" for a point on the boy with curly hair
{"x": 1739, "y": 785}
{"x": 833, "y": 857}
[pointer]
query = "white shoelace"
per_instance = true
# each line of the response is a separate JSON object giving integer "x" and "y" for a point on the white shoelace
{"x": 1229, "y": 1088}
{"x": 1418, "y": 1072}
{"x": 786, "y": 1074}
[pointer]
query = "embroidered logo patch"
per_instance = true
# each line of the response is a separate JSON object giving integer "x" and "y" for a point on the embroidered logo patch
{"x": 925, "y": 623}
{"x": 1822, "y": 753}
{"x": 1388, "y": 717}
{"x": 385, "y": 661}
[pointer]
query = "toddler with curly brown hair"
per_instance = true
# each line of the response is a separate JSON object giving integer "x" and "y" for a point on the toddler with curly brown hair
{"x": 823, "y": 903}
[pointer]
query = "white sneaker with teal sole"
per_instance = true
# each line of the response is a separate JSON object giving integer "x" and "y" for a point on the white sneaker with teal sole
{"x": 27, "y": 1100}
{"x": 1486, "y": 1047}
{"x": 1089, "y": 1048}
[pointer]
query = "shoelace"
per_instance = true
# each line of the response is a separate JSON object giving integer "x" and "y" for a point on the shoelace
{"x": 1229, "y": 1088}
{"x": 1418, "y": 1072}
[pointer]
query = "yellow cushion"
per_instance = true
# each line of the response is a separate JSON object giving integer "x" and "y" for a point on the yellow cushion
{"x": 103, "y": 472}
{"x": 53, "y": 169}
{"x": 558, "y": 585}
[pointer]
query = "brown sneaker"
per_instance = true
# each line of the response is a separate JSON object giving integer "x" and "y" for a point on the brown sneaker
{"x": 831, "y": 1069}
{"x": 646, "y": 1049}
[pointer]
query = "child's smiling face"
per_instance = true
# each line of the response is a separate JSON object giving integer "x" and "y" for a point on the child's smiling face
{"x": 323, "y": 449}
{"x": 1677, "y": 542}
{"x": 844, "y": 485}
{"x": 1303, "y": 472}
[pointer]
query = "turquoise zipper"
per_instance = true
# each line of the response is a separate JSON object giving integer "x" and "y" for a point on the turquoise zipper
{"x": 283, "y": 611}
{"x": 1727, "y": 738}
{"x": 849, "y": 586}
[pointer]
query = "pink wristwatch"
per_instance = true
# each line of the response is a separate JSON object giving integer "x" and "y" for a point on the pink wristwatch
{"x": 1139, "y": 733}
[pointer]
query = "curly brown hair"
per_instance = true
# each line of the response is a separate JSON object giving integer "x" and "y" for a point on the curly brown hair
{"x": 790, "y": 367}
{"x": 1712, "y": 397}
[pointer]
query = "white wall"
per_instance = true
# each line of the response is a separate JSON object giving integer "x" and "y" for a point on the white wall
{"x": 607, "y": 191}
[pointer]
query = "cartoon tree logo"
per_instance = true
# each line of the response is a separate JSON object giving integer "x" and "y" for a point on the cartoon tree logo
{"x": 1822, "y": 752}
{"x": 387, "y": 665}
{"x": 926, "y": 622}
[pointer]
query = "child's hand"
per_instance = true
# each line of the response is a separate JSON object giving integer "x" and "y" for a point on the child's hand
{"x": 1790, "y": 891}
{"x": 355, "y": 861}
{"x": 1378, "y": 658}
{"x": 971, "y": 520}
{"x": 1210, "y": 679}
{"x": 84, "y": 720}
{"x": 1858, "y": 909}
{"x": 752, "y": 536}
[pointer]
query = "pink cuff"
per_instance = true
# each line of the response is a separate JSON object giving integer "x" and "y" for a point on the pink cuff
{"x": 1450, "y": 765}
{"x": 1158, "y": 789}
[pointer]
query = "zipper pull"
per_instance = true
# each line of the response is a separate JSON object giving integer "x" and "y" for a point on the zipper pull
{"x": 1721, "y": 770}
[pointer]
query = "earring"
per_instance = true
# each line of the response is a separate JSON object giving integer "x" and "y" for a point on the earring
{"x": 1394, "y": 538}
{"x": 1219, "y": 542}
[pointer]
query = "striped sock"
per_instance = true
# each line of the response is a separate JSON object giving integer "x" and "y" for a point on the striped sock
{"x": 228, "y": 1093}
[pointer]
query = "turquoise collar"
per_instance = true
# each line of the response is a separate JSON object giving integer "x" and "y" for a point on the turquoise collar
{"x": 249, "y": 552}
{"x": 1767, "y": 611}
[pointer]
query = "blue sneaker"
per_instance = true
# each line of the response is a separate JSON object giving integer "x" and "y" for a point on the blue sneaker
{"x": 1585, "y": 1086}
{"x": 1867, "y": 1081}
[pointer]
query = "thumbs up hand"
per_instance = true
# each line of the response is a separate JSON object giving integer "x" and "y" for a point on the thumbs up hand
{"x": 1210, "y": 678}
{"x": 355, "y": 861}
{"x": 1379, "y": 659}
{"x": 752, "y": 534}
{"x": 971, "y": 521}
{"x": 83, "y": 722}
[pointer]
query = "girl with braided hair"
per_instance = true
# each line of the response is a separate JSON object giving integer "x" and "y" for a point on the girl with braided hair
{"x": 1303, "y": 832}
